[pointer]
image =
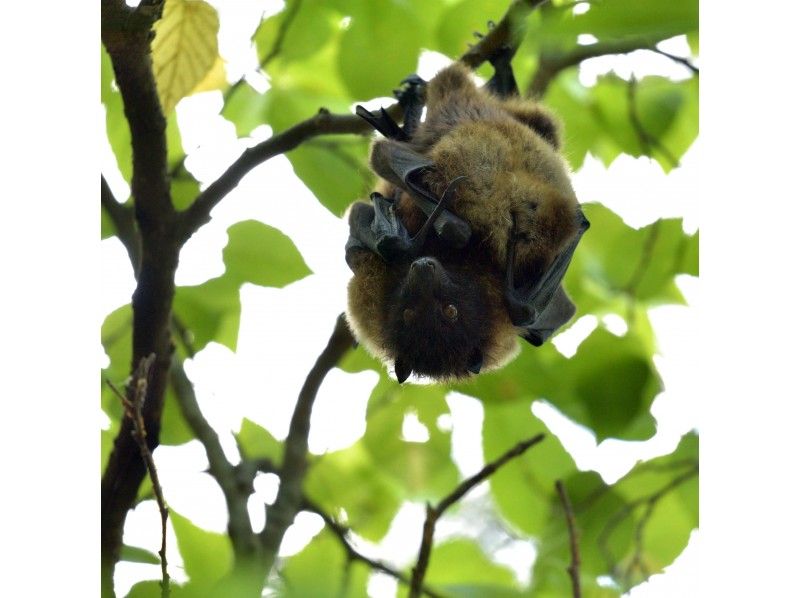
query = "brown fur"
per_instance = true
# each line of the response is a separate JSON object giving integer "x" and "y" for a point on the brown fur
{"x": 517, "y": 187}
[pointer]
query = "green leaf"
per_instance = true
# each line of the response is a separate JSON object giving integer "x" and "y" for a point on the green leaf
{"x": 134, "y": 554}
{"x": 207, "y": 556}
{"x": 350, "y": 479}
{"x": 246, "y": 109}
{"x": 424, "y": 470}
{"x": 258, "y": 443}
{"x": 616, "y": 523}
{"x": 308, "y": 25}
{"x": 319, "y": 570}
{"x": 184, "y": 48}
{"x": 614, "y": 260}
{"x": 523, "y": 488}
{"x": 184, "y": 190}
{"x": 371, "y": 62}
{"x": 210, "y": 311}
{"x": 262, "y": 255}
{"x": 615, "y": 19}
{"x": 458, "y": 565}
{"x": 174, "y": 429}
{"x": 117, "y": 130}
{"x": 460, "y": 20}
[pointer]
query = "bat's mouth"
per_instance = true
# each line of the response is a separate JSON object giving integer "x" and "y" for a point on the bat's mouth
{"x": 425, "y": 276}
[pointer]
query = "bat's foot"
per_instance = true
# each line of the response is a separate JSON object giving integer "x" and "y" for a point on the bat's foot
{"x": 502, "y": 82}
{"x": 411, "y": 96}
{"x": 411, "y": 90}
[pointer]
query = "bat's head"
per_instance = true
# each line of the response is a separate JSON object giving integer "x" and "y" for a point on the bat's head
{"x": 439, "y": 322}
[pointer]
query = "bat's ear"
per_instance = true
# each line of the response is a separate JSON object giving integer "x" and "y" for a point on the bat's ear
{"x": 402, "y": 369}
{"x": 475, "y": 361}
{"x": 557, "y": 313}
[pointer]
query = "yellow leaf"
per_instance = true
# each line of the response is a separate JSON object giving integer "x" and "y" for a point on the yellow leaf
{"x": 214, "y": 79}
{"x": 184, "y": 48}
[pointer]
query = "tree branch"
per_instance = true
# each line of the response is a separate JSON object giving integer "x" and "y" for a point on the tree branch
{"x": 133, "y": 403}
{"x": 649, "y": 501}
{"x": 647, "y": 140}
{"x": 244, "y": 541}
{"x": 575, "y": 563}
{"x": 124, "y": 223}
{"x": 508, "y": 32}
{"x": 126, "y": 34}
{"x": 552, "y": 63}
{"x": 434, "y": 513}
{"x": 341, "y": 532}
{"x": 293, "y": 469}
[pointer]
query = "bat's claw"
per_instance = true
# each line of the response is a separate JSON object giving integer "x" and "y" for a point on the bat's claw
{"x": 490, "y": 24}
{"x": 411, "y": 91}
{"x": 478, "y": 34}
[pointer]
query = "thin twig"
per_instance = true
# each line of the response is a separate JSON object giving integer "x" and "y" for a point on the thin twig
{"x": 679, "y": 59}
{"x": 575, "y": 562}
{"x": 133, "y": 404}
{"x": 341, "y": 532}
{"x": 293, "y": 469}
{"x": 434, "y": 513}
{"x": 644, "y": 260}
{"x": 647, "y": 140}
{"x": 618, "y": 517}
{"x": 124, "y": 223}
{"x": 551, "y": 63}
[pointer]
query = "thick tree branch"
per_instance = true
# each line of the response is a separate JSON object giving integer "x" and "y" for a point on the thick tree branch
{"x": 293, "y": 469}
{"x": 124, "y": 223}
{"x": 575, "y": 561}
{"x": 126, "y": 34}
{"x": 341, "y": 532}
{"x": 434, "y": 513}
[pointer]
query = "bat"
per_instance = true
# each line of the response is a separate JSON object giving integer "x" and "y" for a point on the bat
{"x": 468, "y": 236}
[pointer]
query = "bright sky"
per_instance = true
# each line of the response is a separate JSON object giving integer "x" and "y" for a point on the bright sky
{"x": 261, "y": 380}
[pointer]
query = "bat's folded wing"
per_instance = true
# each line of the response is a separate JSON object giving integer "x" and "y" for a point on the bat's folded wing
{"x": 543, "y": 307}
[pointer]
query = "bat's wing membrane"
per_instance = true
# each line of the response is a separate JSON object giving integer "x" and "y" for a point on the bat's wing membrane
{"x": 542, "y": 307}
{"x": 399, "y": 164}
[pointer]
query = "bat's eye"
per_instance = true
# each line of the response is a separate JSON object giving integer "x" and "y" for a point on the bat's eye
{"x": 451, "y": 312}
{"x": 408, "y": 315}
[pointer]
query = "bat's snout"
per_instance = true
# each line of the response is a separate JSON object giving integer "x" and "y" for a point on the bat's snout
{"x": 425, "y": 274}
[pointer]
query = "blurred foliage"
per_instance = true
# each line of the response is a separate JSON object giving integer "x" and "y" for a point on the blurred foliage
{"x": 333, "y": 54}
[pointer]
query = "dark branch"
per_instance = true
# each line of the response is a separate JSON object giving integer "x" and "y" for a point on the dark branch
{"x": 433, "y": 513}
{"x": 124, "y": 223}
{"x": 508, "y": 32}
{"x": 293, "y": 469}
{"x": 236, "y": 494}
{"x": 323, "y": 123}
{"x": 575, "y": 562}
{"x": 126, "y": 35}
{"x": 133, "y": 403}
{"x": 679, "y": 59}
{"x": 341, "y": 532}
